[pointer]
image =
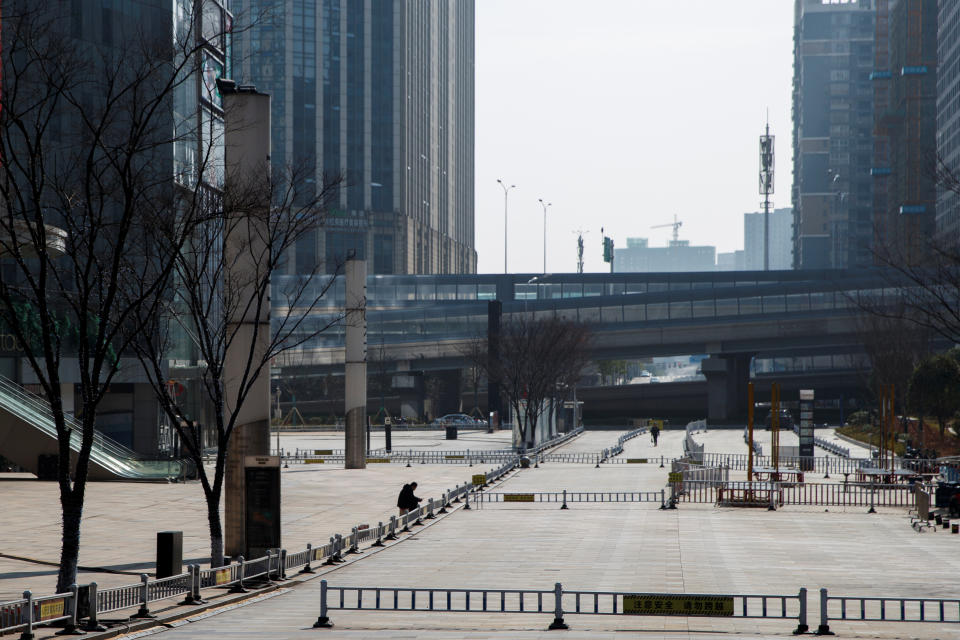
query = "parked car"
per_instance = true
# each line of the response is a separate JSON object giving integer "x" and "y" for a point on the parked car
{"x": 454, "y": 419}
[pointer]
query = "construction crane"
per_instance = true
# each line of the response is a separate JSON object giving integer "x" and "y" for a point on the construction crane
{"x": 676, "y": 227}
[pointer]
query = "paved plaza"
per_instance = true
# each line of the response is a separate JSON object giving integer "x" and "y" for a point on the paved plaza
{"x": 697, "y": 548}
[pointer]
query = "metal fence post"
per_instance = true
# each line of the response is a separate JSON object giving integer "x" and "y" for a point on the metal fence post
{"x": 564, "y": 505}
{"x": 238, "y": 588}
{"x": 144, "y": 611}
{"x": 269, "y": 564}
{"x": 354, "y": 541}
{"x": 323, "y": 622}
{"x": 772, "y": 506}
{"x": 379, "y": 542}
{"x": 558, "y": 622}
{"x": 193, "y": 595}
{"x": 444, "y": 502}
{"x": 824, "y": 628}
{"x": 307, "y": 568}
{"x": 91, "y": 623}
{"x": 802, "y": 618}
{"x": 430, "y": 515}
{"x": 467, "y": 506}
{"x": 392, "y": 532}
{"x": 282, "y": 566}
{"x": 28, "y": 631}
{"x": 663, "y": 502}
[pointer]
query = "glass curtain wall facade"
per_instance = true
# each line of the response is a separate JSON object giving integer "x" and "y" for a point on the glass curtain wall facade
{"x": 910, "y": 123}
{"x": 832, "y": 133}
{"x": 381, "y": 92}
{"x": 948, "y": 117}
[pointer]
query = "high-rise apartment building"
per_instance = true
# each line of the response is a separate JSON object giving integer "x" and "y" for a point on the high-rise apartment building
{"x": 639, "y": 256}
{"x": 948, "y": 117}
{"x": 383, "y": 92}
{"x": 910, "y": 124}
{"x": 781, "y": 240}
{"x": 833, "y": 121}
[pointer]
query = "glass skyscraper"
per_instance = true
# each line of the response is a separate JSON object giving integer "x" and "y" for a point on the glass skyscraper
{"x": 948, "y": 117}
{"x": 381, "y": 91}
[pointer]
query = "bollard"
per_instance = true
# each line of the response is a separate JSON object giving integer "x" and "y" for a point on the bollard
{"x": 663, "y": 503}
{"x": 824, "y": 628}
{"x": 802, "y": 618}
{"x": 28, "y": 631}
{"x": 91, "y": 623}
{"x": 144, "y": 611}
{"x": 564, "y": 506}
{"x": 307, "y": 568}
{"x": 955, "y": 528}
{"x": 392, "y": 533}
{"x": 323, "y": 622}
{"x": 946, "y": 523}
{"x": 558, "y": 622}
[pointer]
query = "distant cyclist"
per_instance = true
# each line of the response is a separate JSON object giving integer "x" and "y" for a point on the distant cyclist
{"x": 655, "y": 434}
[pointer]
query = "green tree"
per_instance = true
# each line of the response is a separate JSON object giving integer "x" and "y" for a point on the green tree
{"x": 613, "y": 370}
{"x": 935, "y": 388}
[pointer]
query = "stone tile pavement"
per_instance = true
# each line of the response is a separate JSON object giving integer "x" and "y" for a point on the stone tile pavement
{"x": 633, "y": 547}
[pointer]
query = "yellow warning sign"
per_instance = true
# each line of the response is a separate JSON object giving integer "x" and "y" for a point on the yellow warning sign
{"x": 518, "y": 497}
{"x": 323, "y": 452}
{"x": 51, "y": 609}
{"x": 636, "y": 461}
{"x": 663, "y": 604}
{"x": 480, "y": 479}
{"x": 453, "y": 457}
{"x": 223, "y": 576}
{"x": 675, "y": 476}
{"x": 313, "y": 461}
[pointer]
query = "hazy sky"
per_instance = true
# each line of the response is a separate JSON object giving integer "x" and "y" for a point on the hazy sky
{"x": 623, "y": 113}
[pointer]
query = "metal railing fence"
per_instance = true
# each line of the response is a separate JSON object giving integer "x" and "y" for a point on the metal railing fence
{"x": 885, "y": 609}
{"x": 566, "y": 496}
{"x": 797, "y": 494}
{"x": 559, "y": 602}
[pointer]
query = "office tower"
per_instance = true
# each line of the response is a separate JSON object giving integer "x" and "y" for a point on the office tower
{"x": 781, "y": 240}
{"x": 910, "y": 122}
{"x": 948, "y": 117}
{"x": 383, "y": 92}
{"x": 832, "y": 133}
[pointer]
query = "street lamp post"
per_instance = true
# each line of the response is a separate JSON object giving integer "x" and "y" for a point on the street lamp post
{"x": 545, "y": 205}
{"x": 506, "y": 191}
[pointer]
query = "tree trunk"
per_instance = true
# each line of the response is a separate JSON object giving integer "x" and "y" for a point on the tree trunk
{"x": 216, "y": 530}
{"x": 70, "y": 547}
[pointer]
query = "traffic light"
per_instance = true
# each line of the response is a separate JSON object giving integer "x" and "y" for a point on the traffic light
{"x": 607, "y": 249}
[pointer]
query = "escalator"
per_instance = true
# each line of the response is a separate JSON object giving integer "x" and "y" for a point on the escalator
{"x": 28, "y": 438}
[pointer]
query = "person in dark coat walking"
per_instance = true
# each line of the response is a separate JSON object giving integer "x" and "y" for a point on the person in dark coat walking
{"x": 655, "y": 434}
{"x": 406, "y": 501}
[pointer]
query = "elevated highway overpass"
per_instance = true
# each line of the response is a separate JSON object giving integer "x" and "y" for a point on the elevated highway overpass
{"x": 426, "y": 322}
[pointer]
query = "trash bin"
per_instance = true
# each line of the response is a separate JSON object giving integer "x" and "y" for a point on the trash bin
{"x": 451, "y": 432}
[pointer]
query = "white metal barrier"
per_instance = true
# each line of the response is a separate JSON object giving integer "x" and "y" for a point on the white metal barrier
{"x": 559, "y": 602}
{"x": 885, "y": 609}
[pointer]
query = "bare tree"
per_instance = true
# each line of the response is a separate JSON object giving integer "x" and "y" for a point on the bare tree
{"x": 539, "y": 359}
{"x": 91, "y": 222}
{"x": 216, "y": 284}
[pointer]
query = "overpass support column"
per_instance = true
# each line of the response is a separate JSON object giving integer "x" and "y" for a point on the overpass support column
{"x": 727, "y": 377}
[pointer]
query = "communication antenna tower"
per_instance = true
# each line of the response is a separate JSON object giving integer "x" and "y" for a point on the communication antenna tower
{"x": 766, "y": 188}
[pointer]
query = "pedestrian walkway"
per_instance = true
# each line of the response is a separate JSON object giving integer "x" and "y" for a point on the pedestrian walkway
{"x": 625, "y": 546}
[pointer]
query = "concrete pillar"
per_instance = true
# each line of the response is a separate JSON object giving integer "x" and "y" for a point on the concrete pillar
{"x": 727, "y": 378}
{"x": 247, "y": 161}
{"x": 356, "y": 364}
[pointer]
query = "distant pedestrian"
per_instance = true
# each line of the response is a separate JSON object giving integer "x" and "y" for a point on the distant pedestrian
{"x": 655, "y": 434}
{"x": 406, "y": 501}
